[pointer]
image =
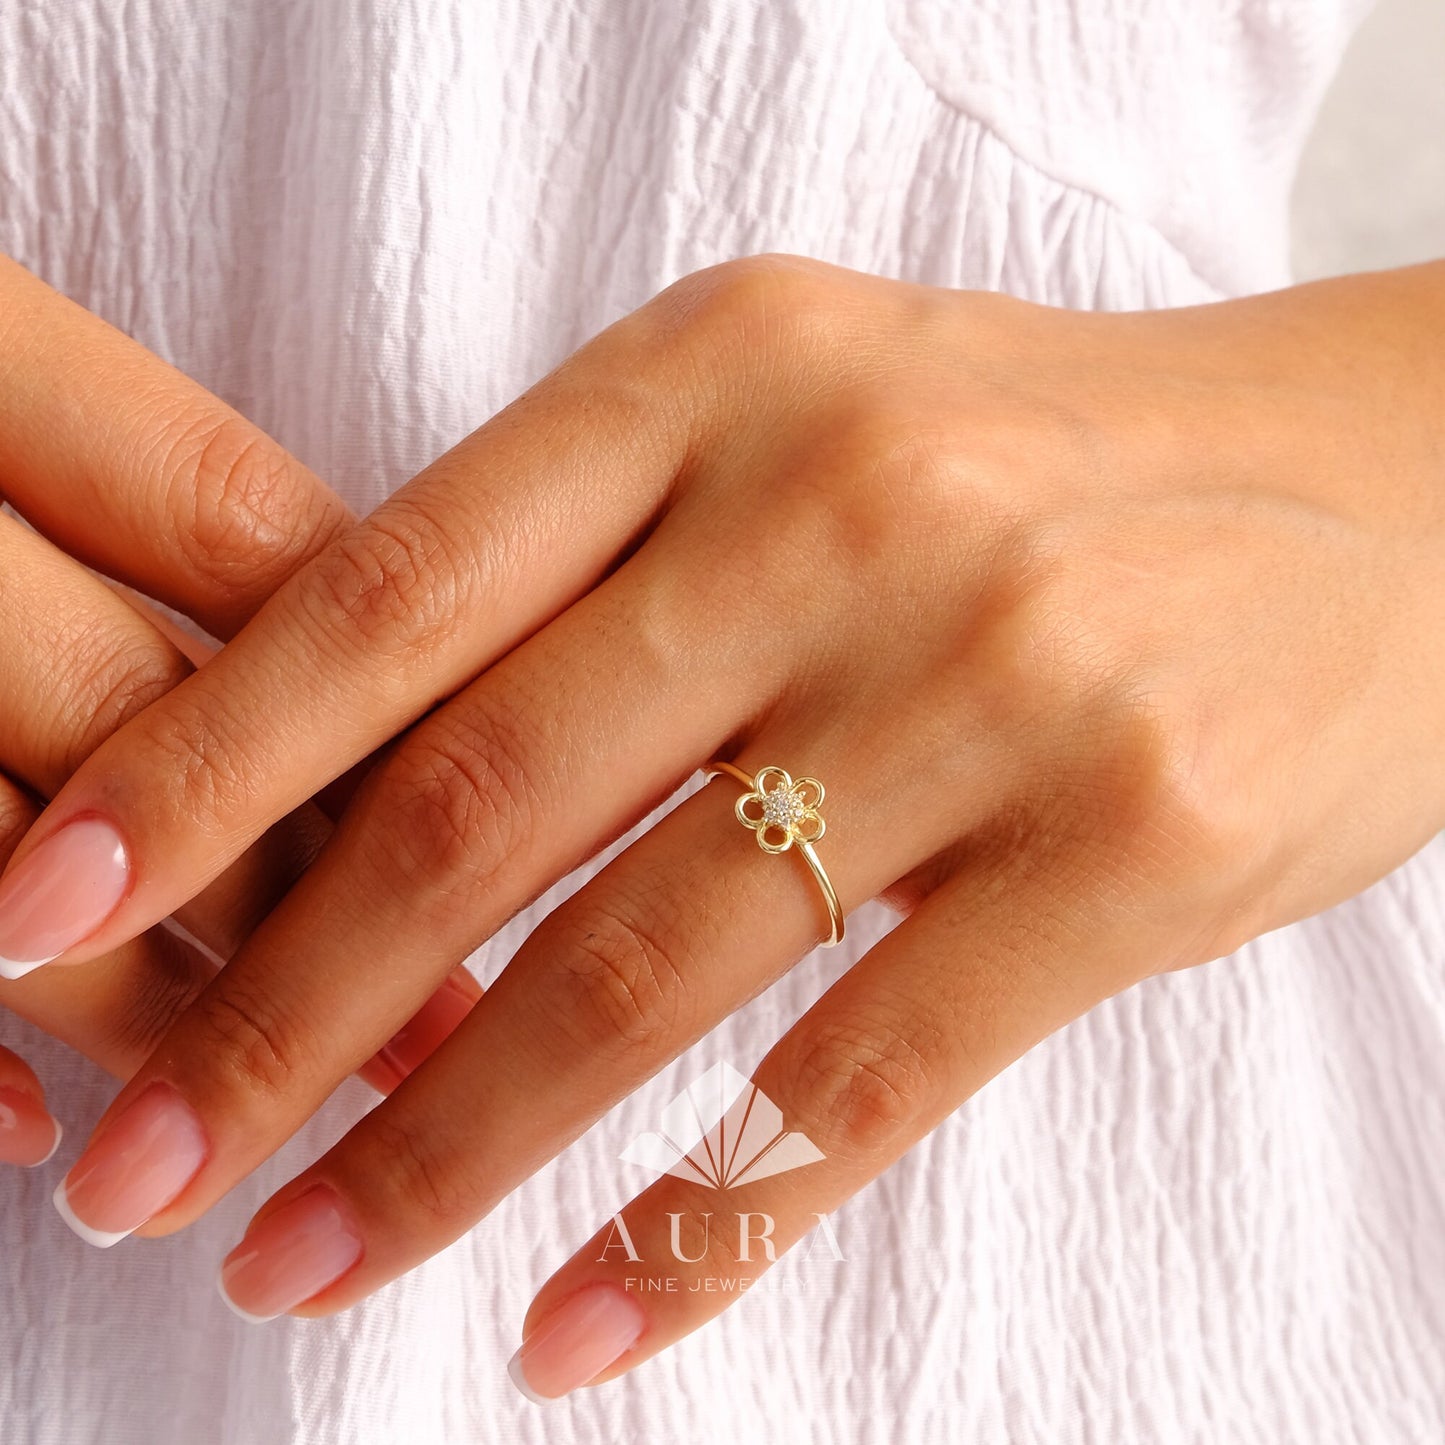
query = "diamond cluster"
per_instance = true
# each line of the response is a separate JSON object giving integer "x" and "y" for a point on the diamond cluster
{"x": 782, "y": 808}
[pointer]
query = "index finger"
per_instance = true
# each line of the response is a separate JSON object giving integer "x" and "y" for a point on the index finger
{"x": 139, "y": 471}
{"x": 398, "y": 612}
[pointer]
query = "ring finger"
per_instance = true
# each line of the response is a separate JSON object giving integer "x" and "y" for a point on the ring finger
{"x": 675, "y": 933}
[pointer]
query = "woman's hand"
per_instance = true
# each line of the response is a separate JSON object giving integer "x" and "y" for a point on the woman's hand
{"x": 123, "y": 462}
{"x": 1115, "y": 639}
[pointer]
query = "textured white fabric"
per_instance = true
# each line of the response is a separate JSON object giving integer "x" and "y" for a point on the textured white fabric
{"x": 1210, "y": 1211}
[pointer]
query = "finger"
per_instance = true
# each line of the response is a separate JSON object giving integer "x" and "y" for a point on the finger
{"x": 560, "y": 747}
{"x": 149, "y": 1153}
{"x": 424, "y": 1032}
{"x": 71, "y": 672}
{"x": 679, "y": 930}
{"x": 459, "y": 567}
{"x": 28, "y": 1133}
{"x": 76, "y": 660}
{"x": 115, "y": 1010}
{"x": 1011, "y": 948}
{"x": 138, "y": 471}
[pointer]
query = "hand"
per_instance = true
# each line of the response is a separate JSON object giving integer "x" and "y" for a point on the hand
{"x": 125, "y": 463}
{"x": 1114, "y": 639}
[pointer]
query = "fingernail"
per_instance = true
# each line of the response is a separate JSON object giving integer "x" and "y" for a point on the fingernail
{"x": 61, "y": 893}
{"x": 28, "y": 1134}
{"x": 420, "y": 1037}
{"x": 290, "y": 1256}
{"x": 134, "y": 1169}
{"x": 576, "y": 1342}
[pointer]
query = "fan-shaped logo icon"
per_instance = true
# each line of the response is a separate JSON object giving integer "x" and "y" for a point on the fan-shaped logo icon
{"x": 742, "y": 1138}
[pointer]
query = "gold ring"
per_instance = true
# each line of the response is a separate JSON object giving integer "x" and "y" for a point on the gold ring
{"x": 785, "y": 818}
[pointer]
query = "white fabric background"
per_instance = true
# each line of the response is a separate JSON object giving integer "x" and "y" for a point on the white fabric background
{"x": 1210, "y": 1211}
{"x": 1370, "y": 189}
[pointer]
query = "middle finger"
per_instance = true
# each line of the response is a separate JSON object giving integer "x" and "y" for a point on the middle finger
{"x": 678, "y": 931}
{"x": 558, "y": 748}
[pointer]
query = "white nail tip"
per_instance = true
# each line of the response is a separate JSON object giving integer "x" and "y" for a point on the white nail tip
{"x": 514, "y": 1369}
{"x": 18, "y": 968}
{"x": 100, "y": 1238}
{"x": 59, "y": 1135}
{"x": 236, "y": 1309}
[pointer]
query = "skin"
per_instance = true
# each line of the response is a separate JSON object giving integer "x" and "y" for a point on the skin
{"x": 134, "y": 469}
{"x": 1114, "y": 637}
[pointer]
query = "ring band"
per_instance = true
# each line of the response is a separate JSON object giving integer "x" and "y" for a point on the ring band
{"x": 783, "y": 810}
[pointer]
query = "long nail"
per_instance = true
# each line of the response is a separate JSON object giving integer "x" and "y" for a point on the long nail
{"x": 587, "y": 1332}
{"x": 134, "y": 1169}
{"x": 28, "y": 1134}
{"x": 290, "y": 1256}
{"x": 420, "y": 1037}
{"x": 61, "y": 893}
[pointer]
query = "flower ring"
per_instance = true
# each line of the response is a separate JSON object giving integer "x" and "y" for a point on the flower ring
{"x": 782, "y": 809}
{"x": 783, "y": 813}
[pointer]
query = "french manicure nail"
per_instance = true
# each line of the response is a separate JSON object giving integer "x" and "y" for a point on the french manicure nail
{"x": 28, "y": 1134}
{"x": 290, "y": 1256}
{"x": 134, "y": 1169}
{"x": 61, "y": 893}
{"x": 586, "y": 1333}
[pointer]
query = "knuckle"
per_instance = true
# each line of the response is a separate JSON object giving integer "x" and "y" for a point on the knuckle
{"x": 617, "y": 982}
{"x": 243, "y": 1038}
{"x": 16, "y": 816}
{"x": 441, "y": 1191}
{"x": 864, "y": 1085}
{"x": 243, "y": 509}
{"x": 162, "y": 992}
{"x": 904, "y": 485}
{"x": 1027, "y": 656}
{"x": 741, "y": 303}
{"x": 192, "y": 753}
{"x": 394, "y": 585}
{"x": 108, "y": 683}
{"x": 1134, "y": 771}
{"x": 1179, "y": 825}
{"x": 1132, "y": 801}
{"x": 459, "y": 801}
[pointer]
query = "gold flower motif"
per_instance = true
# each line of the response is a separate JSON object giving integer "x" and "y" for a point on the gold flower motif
{"x": 786, "y": 812}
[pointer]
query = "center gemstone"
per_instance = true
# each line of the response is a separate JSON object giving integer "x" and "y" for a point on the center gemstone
{"x": 782, "y": 808}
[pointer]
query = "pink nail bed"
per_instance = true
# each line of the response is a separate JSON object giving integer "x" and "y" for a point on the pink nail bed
{"x": 291, "y": 1255}
{"x": 150, "y": 1152}
{"x": 28, "y": 1135}
{"x": 60, "y": 894}
{"x": 579, "y": 1339}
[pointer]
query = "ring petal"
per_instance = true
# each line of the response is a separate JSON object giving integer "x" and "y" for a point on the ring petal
{"x": 759, "y": 780}
{"x": 740, "y": 808}
{"x": 816, "y": 786}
